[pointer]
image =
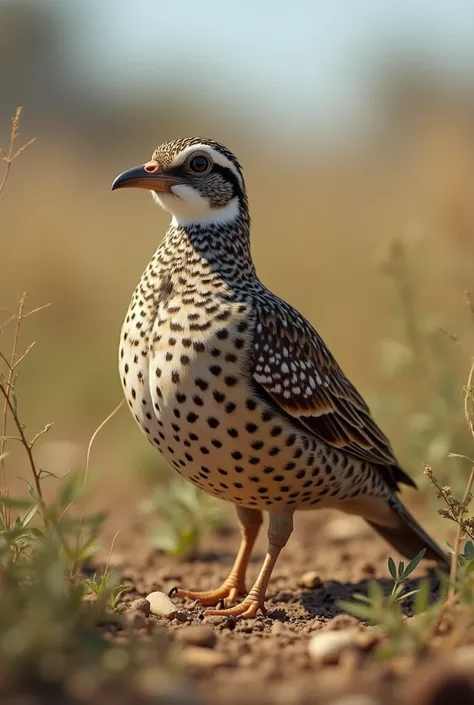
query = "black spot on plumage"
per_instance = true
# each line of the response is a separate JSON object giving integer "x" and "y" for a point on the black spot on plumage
{"x": 223, "y": 315}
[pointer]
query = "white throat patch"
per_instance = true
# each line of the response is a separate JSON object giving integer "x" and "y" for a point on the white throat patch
{"x": 187, "y": 207}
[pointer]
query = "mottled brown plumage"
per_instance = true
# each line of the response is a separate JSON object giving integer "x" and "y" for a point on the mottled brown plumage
{"x": 234, "y": 386}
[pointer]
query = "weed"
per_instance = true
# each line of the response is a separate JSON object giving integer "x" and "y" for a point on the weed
{"x": 186, "y": 514}
{"x": 402, "y": 636}
{"x": 421, "y": 372}
{"x": 386, "y": 613}
{"x": 49, "y": 612}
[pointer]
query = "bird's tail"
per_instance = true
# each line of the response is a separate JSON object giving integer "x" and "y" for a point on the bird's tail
{"x": 405, "y": 534}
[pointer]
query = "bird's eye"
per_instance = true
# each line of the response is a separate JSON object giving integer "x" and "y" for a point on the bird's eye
{"x": 199, "y": 164}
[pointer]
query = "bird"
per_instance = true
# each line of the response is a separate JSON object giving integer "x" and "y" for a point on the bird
{"x": 236, "y": 388}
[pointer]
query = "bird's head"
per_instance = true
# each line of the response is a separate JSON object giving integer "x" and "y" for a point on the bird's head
{"x": 198, "y": 181}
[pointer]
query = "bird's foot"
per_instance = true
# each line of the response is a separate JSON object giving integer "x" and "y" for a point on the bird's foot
{"x": 226, "y": 594}
{"x": 248, "y": 608}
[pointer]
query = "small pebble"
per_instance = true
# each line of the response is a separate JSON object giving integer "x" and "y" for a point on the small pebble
{"x": 326, "y": 646}
{"x": 199, "y": 657}
{"x": 181, "y": 616}
{"x": 278, "y": 627}
{"x": 142, "y": 605}
{"x": 134, "y": 619}
{"x": 216, "y": 620}
{"x": 199, "y": 635}
{"x": 161, "y": 605}
{"x": 310, "y": 580}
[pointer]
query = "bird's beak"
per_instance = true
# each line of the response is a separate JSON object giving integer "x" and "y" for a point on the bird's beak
{"x": 148, "y": 176}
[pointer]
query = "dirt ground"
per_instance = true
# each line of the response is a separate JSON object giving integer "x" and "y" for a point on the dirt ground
{"x": 266, "y": 661}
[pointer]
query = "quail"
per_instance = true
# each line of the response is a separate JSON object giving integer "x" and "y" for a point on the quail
{"x": 236, "y": 388}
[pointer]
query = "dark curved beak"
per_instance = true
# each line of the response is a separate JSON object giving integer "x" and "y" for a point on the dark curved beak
{"x": 139, "y": 177}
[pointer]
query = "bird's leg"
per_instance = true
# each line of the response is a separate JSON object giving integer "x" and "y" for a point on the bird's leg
{"x": 250, "y": 521}
{"x": 279, "y": 531}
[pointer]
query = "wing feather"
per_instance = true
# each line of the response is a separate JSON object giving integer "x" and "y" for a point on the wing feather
{"x": 295, "y": 368}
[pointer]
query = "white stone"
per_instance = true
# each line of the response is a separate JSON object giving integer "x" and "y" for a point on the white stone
{"x": 325, "y": 645}
{"x": 161, "y": 605}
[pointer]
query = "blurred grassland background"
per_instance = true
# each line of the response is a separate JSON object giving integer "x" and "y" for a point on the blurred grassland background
{"x": 355, "y": 127}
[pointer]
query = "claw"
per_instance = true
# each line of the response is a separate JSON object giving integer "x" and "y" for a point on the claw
{"x": 226, "y": 594}
{"x": 174, "y": 591}
{"x": 247, "y": 609}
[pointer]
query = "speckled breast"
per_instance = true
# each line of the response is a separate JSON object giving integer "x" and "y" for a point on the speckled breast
{"x": 187, "y": 381}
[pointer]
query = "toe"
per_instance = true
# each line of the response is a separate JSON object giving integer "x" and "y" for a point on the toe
{"x": 247, "y": 609}
{"x": 226, "y": 593}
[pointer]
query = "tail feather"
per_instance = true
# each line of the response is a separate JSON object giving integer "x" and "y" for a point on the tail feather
{"x": 407, "y": 536}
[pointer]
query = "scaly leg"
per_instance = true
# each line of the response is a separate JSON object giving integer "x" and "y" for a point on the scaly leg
{"x": 250, "y": 521}
{"x": 279, "y": 531}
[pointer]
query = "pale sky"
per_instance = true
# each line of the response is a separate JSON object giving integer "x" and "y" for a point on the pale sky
{"x": 301, "y": 61}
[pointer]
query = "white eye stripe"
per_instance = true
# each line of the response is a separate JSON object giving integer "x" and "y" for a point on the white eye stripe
{"x": 213, "y": 154}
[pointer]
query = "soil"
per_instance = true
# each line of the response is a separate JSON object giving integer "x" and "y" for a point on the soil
{"x": 266, "y": 660}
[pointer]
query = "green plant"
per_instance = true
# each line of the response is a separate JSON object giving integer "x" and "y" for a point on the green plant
{"x": 386, "y": 614}
{"x": 369, "y": 606}
{"x": 185, "y": 514}
{"x": 106, "y": 587}
{"x": 56, "y": 625}
{"x": 420, "y": 371}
